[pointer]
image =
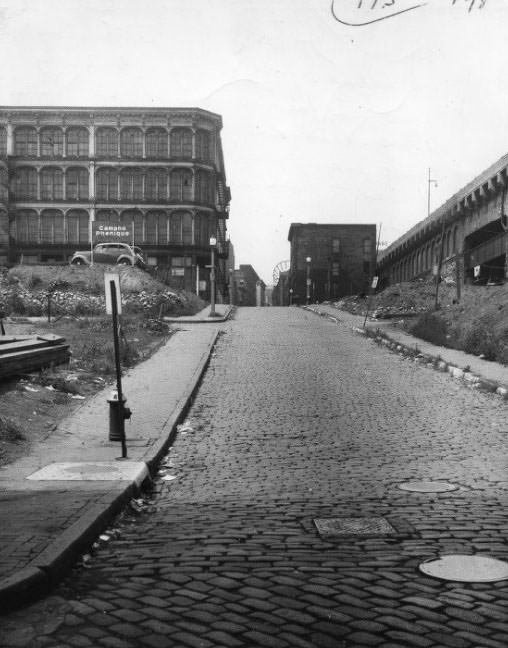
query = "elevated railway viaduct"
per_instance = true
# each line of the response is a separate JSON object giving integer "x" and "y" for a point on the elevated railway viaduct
{"x": 469, "y": 230}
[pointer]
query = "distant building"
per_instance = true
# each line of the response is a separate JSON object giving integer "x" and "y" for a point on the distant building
{"x": 157, "y": 172}
{"x": 281, "y": 295}
{"x": 342, "y": 260}
{"x": 249, "y": 288}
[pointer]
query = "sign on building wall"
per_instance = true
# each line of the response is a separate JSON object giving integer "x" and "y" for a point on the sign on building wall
{"x": 103, "y": 232}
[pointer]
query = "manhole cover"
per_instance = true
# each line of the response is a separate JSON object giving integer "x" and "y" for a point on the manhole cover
{"x": 466, "y": 569}
{"x": 336, "y": 527}
{"x": 428, "y": 486}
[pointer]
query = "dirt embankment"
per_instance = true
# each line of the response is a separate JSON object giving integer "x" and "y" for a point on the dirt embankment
{"x": 477, "y": 322}
{"x": 33, "y": 404}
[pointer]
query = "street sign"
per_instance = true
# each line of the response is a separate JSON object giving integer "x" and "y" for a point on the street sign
{"x": 108, "y": 278}
{"x": 374, "y": 282}
{"x": 111, "y": 232}
{"x": 477, "y": 271}
{"x": 178, "y": 272}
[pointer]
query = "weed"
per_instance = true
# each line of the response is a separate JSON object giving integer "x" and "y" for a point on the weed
{"x": 9, "y": 431}
{"x": 430, "y": 327}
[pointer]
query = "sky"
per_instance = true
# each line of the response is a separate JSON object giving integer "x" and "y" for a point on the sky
{"x": 323, "y": 122}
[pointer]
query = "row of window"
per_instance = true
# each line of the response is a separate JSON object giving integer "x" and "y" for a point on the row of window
{"x": 109, "y": 142}
{"x": 155, "y": 227}
{"x": 52, "y": 183}
{"x": 422, "y": 260}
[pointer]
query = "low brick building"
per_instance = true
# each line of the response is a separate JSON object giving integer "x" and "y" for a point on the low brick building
{"x": 248, "y": 287}
{"x": 342, "y": 260}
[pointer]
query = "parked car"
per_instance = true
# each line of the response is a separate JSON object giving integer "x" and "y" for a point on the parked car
{"x": 119, "y": 253}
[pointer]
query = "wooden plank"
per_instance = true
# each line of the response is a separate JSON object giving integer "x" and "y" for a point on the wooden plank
{"x": 23, "y": 345}
{"x": 51, "y": 338}
{"x": 7, "y": 339}
{"x": 24, "y": 361}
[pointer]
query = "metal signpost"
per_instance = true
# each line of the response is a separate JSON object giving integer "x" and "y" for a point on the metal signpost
{"x": 114, "y": 307}
{"x": 213, "y": 243}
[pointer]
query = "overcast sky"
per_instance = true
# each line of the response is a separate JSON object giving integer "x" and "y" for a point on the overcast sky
{"x": 323, "y": 122}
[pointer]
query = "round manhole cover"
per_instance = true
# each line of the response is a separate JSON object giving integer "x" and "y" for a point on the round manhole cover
{"x": 466, "y": 569}
{"x": 428, "y": 486}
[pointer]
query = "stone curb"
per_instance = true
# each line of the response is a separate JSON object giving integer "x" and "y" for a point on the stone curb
{"x": 56, "y": 560}
{"x": 204, "y": 320}
{"x": 472, "y": 380}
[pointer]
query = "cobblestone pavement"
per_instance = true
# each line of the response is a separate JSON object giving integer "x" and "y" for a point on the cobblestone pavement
{"x": 298, "y": 419}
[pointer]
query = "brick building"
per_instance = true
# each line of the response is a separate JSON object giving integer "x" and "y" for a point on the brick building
{"x": 342, "y": 260}
{"x": 157, "y": 171}
{"x": 248, "y": 287}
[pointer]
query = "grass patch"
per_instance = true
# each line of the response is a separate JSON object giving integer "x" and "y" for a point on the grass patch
{"x": 430, "y": 327}
{"x": 9, "y": 431}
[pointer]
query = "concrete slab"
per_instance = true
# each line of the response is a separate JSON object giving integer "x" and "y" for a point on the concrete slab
{"x": 93, "y": 471}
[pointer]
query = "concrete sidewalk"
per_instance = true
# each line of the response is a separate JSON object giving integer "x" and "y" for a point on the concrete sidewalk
{"x": 222, "y": 312}
{"x": 56, "y": 501}
{"x": 470, "y": 368}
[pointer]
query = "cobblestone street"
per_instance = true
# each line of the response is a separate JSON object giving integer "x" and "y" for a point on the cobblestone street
{"x": 299, "y": 419}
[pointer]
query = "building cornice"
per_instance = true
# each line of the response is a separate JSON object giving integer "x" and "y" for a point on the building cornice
{"x": 96, "y": 113}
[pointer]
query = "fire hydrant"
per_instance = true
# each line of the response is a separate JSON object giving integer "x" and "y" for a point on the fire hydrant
{"x": 118, "y": 413}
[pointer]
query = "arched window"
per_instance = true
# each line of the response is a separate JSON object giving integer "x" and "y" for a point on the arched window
{"x": 77, "y": 226}
{"x": 448, "y": 243}
{"x": 203, "y": 145}
{"x": 201, "y": 229}
{"x": 77, "y": 142}
{"x": 133, "y": 219}
{"x": 52, "y": 226}
{"x": 203, "y": 187}
{"x": 106, "y": 216}
{"x": 181, "y": 143}
{"x": 156, "y": 184}
{"x": 76, "y": 184}
{"x": 106, "y": 142}
{"x": 181, "y": 228}
{"x": 151, "y": 228}
{"x": 4, "y": 185}
{"x": 107, "y": 184}
{"x": 162, "y": 227}
{"x": 26, "y": 184}
{"x": 27, "y": 226}
{"x": 187, "y": 228}
{"x": 157, "y": 143}
{"x": 25, "y": 141}
{"x": 3, "y": 142}
{"x": 51, "y": 142}
{"x": 181, "y": 184}
{"x": 131, "y": 142}
{"x": 131, "y": 184}
{"x": 4, "y": 226}
{"x": 455, "y": 249}
{"x": 51, "y": 184}
{"x": 176, "y": 228}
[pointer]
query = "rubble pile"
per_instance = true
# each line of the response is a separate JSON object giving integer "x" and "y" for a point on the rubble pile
{"x": 398, "y": 301}
{"x": 18, "y": 298}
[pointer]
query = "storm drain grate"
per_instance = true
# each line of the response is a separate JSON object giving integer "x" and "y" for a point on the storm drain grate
{"x": 358, "y": 526}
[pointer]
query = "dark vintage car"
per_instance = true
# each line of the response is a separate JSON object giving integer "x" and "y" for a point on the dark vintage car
{"x": 112, "y": 253}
